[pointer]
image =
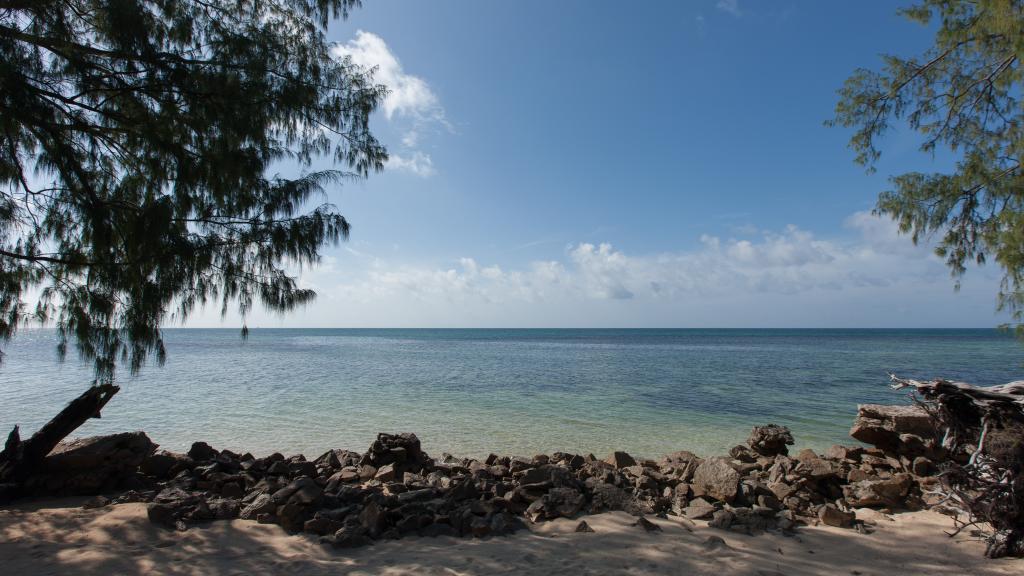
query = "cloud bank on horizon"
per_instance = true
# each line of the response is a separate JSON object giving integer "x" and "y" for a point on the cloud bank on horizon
{"x": 786, "y": 278}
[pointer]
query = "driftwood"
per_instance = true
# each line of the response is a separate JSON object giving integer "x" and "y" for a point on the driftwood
{"x": 20, "y": 459}
{"x": 983, "y": 432}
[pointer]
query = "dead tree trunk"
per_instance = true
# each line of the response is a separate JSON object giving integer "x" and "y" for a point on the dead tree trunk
{"x": 985, "y": 427}
{"x": 19, "y": 459}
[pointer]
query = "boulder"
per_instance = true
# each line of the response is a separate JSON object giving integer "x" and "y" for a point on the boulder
{"x": 698, "y": 509}
{"x": 717, "y": 479}
{"x": 881, "y": 425}
{"x": 201, "y": 452}
{"x": 770, "y": 440}
{"x": 91, "y": 465}
{"x": 620, "y": 460}
{"x": 888, "y": 492}
{"x": 608, "y": 497}
{"x": 830, "y": 515}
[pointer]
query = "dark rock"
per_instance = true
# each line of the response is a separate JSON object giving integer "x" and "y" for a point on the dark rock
{"x": 714, "y": 543}
{"x": 202, "y": 452}
{"x": 608, "y": 497}
{"x": 922, "y": 466}
{"x": 373, "y": 520}
{"x": 770, "y": 440}
{"x": 743, "y": 454}
{"x": 92, "y": 465}
{"x": 161, "y": 465}
{"x": 262, "y": 504}
{"x": 96, "y": 502}
{"x": 722, "y": 519}
{"x": 647, "y": 525}
{"x": 583, "y": 527}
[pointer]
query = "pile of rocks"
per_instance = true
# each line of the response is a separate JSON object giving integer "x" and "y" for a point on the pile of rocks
{"x": 395, "y": 488}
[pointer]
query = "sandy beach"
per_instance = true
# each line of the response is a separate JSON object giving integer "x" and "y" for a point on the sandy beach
{"x": 60, "y": 537}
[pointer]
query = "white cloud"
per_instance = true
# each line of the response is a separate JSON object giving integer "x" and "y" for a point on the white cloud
{"x": 870, "y": 276}
{"x": 410, "y": 100}
{"x": 730, "y": 6}
{"x": 410, "y": 139}
{"x": 417, "y": 163}
{"x": 409, "y": 95}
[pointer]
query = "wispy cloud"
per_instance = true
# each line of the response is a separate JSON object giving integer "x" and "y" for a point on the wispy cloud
{"x": 410, "y": 100}
{"x": 417, "y": 163}
{"x": 730, "y": 6}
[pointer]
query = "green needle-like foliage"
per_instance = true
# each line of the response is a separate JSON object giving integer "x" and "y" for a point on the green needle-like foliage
{"x": 963, "y": 94}
{"x": 136, "y": 141}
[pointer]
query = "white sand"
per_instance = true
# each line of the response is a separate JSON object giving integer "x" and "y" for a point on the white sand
{"x": 57, "y": 537}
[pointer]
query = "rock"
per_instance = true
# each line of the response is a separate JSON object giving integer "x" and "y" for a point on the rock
{"x": 837, "y": 452}
{"x": 608, "y": 497}
{"x": 743, "y": 454}
{"x": 882, "y": 425}
{"x": 830, "y": 515}
{"x": 161, "y": 464}
{"x": 717, "y": 479}
{"x": 583, "y": 527}
{"x": 781, "y": 490}
{"x": 96, "y": 502}
{"x": 402, "y": 450}
{"x": 373, "y": 520}
{"x": 201, "y": 452}
{"x": 699, "y": 509}
{"x": 886, "y": 492}
{"x": 504, "y": 523}
{"x": 161, "y": 515}
{"x": 262, "y": 504}
{"x": 558, "y": 502}
{"x": 548, "y": 473}
{"x": 385, "y": 473}
{"x": 722, "y": 520}
{"x": 813, "y": 467}
{"x": 922, "y": 466}
{"x": 770, "y": 440}
{"x": 714, "y": 543}
{"x": 91, "y": 465}
{"x": 321, "y": 526}
{"x": 620, "y": 460}
{"x": 646, "y": 524}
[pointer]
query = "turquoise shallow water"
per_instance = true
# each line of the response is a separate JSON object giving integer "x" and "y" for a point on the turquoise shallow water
{"x": 471, "y": 392}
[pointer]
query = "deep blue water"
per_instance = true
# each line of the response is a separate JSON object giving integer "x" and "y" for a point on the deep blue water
{"x": 471, "y": 391}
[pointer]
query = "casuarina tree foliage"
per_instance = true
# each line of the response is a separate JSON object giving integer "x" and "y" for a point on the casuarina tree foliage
{"x": 138, "y": 144}
{"x": 961, "y": 95}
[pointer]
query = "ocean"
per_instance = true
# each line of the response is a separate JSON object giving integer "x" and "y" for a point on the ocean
{"x": 473, "y": 391}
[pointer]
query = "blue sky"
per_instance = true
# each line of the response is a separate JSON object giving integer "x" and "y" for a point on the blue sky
{"x": 596, "y": 163}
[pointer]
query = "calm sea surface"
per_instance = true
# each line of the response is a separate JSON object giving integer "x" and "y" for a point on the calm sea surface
{"x": 471, "y": 392}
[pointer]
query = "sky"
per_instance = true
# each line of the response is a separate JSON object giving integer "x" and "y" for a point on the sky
{"x": 608, "y": 164}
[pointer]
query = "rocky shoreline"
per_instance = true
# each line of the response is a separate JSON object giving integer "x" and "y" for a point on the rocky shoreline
{"x": 396, "y": 489}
